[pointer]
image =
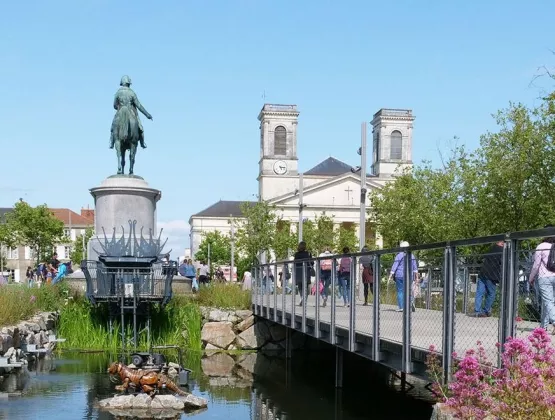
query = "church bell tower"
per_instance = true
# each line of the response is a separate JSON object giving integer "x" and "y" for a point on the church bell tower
{"x": 392, "y": 141}
{"x": 278, "y": 165}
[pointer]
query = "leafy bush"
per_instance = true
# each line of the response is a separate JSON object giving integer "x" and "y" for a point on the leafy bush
{"x": 523, "y": 388}
{"x": 225, "y": 296}
{"x": 19, "y": 302}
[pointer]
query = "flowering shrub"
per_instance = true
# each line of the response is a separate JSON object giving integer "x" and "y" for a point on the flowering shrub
{"x": 524, "y": 388}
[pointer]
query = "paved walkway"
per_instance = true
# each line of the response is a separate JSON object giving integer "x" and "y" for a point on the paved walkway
{"x": 427, "y": 325}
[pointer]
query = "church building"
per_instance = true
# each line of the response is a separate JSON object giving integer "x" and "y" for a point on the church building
{"x": 330, "y": 186}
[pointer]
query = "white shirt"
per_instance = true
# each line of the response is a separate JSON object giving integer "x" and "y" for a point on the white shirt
{"x": 203, "y": 270}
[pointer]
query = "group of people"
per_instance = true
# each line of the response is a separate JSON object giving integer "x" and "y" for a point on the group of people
{"x": 50, "y": 272}
{"x": 198, "y": 275}
{"x": 344, "y": 265}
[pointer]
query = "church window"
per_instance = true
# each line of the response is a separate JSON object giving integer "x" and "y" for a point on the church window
{"x": 376, "y": 146}
{"x": 280, "y": 140}
{"x": 396, "y": 151}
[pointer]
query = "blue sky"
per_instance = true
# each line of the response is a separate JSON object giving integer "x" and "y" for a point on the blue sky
{"x": 201, "y": 68}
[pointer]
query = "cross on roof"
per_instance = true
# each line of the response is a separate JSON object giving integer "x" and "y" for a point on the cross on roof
{"x": 349, "y": 190}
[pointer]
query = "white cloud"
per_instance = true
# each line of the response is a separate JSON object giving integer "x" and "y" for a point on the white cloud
{"x": 177, "y": 233}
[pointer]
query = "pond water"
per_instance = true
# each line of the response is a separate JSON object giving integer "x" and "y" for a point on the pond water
{"x": 237, "y": 388}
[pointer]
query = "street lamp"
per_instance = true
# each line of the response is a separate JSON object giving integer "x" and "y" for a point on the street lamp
{"x": 362, "y": 169}
{"x": 299, "y": 192}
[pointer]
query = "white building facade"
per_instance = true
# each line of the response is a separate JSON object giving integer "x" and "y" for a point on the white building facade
{"x": 329, "y": 187}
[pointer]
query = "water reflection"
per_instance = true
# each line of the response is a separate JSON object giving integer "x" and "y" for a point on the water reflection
{"x": 245, "y": 386}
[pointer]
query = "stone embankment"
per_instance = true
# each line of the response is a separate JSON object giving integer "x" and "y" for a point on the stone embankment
{"x": 38, "y": 330}
{"x": 240, "y": 330}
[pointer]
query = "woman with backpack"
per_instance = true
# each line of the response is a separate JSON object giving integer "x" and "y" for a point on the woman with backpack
{"x": 543, "y": 270}
{"x": 367, "y": 273}
{"x": 344, "y": 277}
{"x": 303, "y": 255}
{"x": 325, "y": 274}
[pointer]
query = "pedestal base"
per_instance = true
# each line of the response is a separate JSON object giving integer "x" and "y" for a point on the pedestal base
{"x": 122, "y": 202}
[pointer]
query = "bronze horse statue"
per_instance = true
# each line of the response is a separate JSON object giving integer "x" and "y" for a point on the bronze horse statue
{"x": 127, "y": 130}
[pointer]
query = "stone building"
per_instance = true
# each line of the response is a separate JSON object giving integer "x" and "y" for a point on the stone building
{"x": 75, "y": 225}
{"x": 329, "y": 187}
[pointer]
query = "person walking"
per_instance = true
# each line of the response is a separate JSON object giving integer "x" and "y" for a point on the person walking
{"x": 302, "y": 277}
{"x": 398, "y": 273}
{"x": 203, "y": 274}
{"x": 488, "y": 279}
{"x": 543, "y": 274}
{"x": 325, "y": 274}
{"x": 344, "y": 277}
{"x": 367, "y": 273}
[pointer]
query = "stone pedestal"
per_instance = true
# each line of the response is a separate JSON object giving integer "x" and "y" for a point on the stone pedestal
{"x": 119, "y": 200}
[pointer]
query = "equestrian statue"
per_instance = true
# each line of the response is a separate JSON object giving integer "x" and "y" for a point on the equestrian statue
{"x": 127, "y": 130}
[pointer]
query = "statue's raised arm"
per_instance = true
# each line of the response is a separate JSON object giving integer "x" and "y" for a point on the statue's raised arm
{"x": 140, "y": 107}
{"x": 127, "y": 131}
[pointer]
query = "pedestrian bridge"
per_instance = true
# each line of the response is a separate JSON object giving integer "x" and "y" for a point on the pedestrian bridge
{"x": 444, "y": 306}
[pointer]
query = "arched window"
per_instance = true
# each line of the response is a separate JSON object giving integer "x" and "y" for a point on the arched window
{"x": 396, "y": 150}
{"x": 280, "y": 141}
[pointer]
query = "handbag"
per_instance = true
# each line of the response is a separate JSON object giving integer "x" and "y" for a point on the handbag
{"x": 195, "y": 283}
{"x": 416, "y": 289}
{"x": 320, "y": 289}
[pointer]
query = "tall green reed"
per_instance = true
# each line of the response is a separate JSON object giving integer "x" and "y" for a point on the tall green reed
{"x": 86, "y": 327}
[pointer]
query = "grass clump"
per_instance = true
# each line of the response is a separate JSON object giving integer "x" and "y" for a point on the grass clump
{"x": 178, "y": 323}
{"x": 86, "y": 327}
{"x": 19, "y": 302}
{"x": 224, "y": 296}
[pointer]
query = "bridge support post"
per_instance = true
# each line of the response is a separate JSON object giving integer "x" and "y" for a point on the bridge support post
{"x": 508, "y": 292}
{"x": 449, "y": 273}
{"x": 338, "y": 367}
{"x": 406, "y": 362}
{"x": 376, "y": 310}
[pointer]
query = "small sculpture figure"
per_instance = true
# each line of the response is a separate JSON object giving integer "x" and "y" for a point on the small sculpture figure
{"x": 148, "y": 381}
{"x": 127, "y": 131}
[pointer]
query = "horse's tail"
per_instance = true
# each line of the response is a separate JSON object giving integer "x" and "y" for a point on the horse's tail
{"x": 123, "y": 123}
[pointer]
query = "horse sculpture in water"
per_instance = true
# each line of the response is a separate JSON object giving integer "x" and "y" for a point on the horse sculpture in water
{"x": 127, "y": 130}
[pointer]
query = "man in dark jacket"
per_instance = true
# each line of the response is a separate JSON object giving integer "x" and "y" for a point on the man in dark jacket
{"x": 488, "y": 279}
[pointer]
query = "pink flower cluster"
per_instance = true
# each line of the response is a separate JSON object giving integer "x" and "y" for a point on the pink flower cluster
{"x": 523, "y": 388}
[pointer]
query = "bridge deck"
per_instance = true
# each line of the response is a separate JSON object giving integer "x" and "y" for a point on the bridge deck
{"x": 426, "y": 326}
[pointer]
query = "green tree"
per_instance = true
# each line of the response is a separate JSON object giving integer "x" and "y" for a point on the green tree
{"x": 35, "y": 227}
{"x": 519, "y": 162}
{"x": 220, "y": 248}
{"x": 256, "y": 229}
{"x": 284, "y": 240}
{"x": 77, "y": 251}
{"x": 325, "y": 236}
{"x": 346, "y": 237}
{"x": 318, "y": 234}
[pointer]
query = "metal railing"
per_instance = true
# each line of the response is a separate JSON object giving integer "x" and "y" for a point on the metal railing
{"x": 438, "y": 306}
{"x": 128, "y": 281}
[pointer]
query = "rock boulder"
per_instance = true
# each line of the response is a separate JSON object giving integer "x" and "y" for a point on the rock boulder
{"x": 219, "y": 334}
{"x": 219, "y": 364}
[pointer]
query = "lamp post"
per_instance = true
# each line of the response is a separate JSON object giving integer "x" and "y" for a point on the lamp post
{"x": 299, "y": 191}
{"x": 232, "y": 250}
{"x": 362, "y": 168}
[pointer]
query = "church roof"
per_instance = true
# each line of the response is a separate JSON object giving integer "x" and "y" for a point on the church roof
{"x": 222, "y": 209}
{"x": 3, "y": 212}
{"x": 329, "y": 167}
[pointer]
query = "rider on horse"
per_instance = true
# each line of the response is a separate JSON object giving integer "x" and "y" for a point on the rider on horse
{"x": 126, "y": 102}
